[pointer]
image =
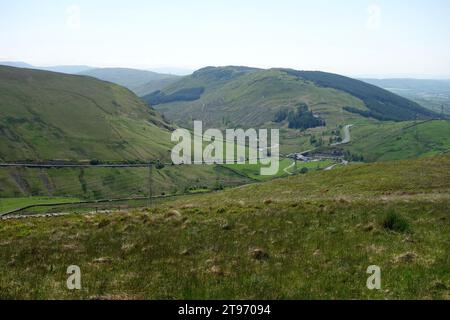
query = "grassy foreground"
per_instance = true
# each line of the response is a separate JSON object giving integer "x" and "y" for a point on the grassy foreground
{"x": 311, "y": 236}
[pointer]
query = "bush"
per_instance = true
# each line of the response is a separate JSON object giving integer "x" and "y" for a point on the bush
{"x": 395, "y": 222}
{"x": 304, "y": 170}
{"x": 94, "y": 162}
{"x": 159, "y": 165}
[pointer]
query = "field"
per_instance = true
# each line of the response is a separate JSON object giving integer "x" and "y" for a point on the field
{"x": 309, "y": 236}
{"x": 9, "y": 204}
{"x": 110, "y": 183}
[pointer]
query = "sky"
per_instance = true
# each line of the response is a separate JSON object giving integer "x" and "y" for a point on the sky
{"x": 351, "y": 37}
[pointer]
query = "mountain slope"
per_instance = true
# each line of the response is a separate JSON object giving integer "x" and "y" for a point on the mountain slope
{"x": 140, "y": 82}
{"x": 247, "y": 97}
{"x": 251, "y": 97}
{"x": 382, "y": 103}
{"x": 46, "y": 115}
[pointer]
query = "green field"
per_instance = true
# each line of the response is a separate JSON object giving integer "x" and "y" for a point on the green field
{"x": 9, "y": 204}
{"x": 110, "y": 183}
{"x": 308, "y": 237}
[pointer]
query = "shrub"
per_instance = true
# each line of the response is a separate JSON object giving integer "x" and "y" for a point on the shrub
{"x": 395, "y": 222}
{"x": 159, "y": 165}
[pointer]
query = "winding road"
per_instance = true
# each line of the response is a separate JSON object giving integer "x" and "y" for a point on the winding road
{"x": 347, "y": 137}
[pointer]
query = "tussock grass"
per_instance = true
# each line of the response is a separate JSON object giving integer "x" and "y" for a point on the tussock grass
{"x": 395, "y": 222}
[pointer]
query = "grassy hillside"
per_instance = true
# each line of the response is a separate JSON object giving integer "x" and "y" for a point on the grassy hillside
{"x": 311, "y": 236}
{"x": 240, "y": 96}
{"x": 141, "y": 82}
{"x": 383, "y": 105}
{"x": 402, "y": 140}
{"x": 252, "y": 97}
{"x": 45, "y": 115}
{"x": 109, "y": 183}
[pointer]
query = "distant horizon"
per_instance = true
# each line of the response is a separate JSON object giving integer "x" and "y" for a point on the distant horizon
{"x": 182, "y": 71}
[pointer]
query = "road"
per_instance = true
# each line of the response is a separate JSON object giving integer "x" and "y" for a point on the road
{"x": 344, "y": 162}
{"x": 347, "y": 136}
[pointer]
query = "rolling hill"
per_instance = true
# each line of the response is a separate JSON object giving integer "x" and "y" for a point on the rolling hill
{"x": 141, "y": 82}
{"x": 252, "y": 97}
{"x": 46, "y": 115}
{"x": 52, "y": 116}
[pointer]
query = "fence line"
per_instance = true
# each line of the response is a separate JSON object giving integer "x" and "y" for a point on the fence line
{"x": 57, "y": 204}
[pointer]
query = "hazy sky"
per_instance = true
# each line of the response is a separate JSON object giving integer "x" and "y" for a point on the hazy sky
{"x": 354, "y": 37}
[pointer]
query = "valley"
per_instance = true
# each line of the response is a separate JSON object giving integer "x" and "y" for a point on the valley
{"x": 87, "y": 178}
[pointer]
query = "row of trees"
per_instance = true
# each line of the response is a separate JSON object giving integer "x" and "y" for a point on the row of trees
{"x": 301, "y": 118}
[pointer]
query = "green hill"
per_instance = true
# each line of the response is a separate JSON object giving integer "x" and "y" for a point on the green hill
{"x": 382, "y": 104}
{"x": 46, "y": 115}
{"x": 305, "y": 237}
{"x": 402, "y": 140}
{"x": 246, "y": 97}
{"x": 252, "y": 97}
{"x": 141, "y": 82}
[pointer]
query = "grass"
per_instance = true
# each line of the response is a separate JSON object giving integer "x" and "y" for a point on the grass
{"x": 47, "y": 116}
{"x": 395, "y": 222}
{"x": 9, "y": 204}
{"x": 305, "y": 237}
{"x": 253, "y": 170}
{"x": 107, "y": 183}
{"x": 402, "y": 140}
